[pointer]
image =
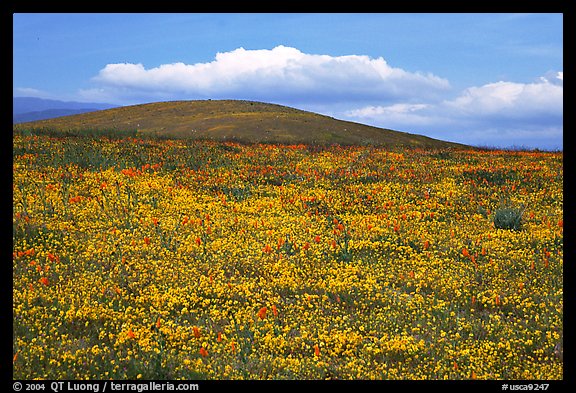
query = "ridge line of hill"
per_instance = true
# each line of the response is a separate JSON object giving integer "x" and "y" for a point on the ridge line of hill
{"x": 235, "y": 120}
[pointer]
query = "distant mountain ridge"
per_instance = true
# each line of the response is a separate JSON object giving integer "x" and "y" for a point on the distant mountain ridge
{"x": 235, "y": 120}
{"x": 26, "y": 109}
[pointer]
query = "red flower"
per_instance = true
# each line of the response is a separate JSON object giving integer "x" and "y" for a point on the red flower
{"x": 203, "y": 352}
{"x": 473, "y": 259}
{"x": 280, "y": 243}
{"x": 262, "y": 313}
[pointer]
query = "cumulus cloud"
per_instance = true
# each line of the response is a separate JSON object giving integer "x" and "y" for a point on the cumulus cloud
{"x": 506, "y": 112}
{"x": 30, "y": 92}
{"x": 553, "y": 77}
{"x": 280, "y": 73}
{"x": 395, "y": 114}
{"x": 508, "y": 100}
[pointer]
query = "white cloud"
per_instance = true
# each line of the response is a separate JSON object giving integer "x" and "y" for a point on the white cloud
{"x": 555, "y": 78}
{"x": 505, "y": 113}
{"x": 282, "y": 73}
{"x": 510, "y": 100}
{"x": 30, "y": 92}
{"x": 400, "y": 116}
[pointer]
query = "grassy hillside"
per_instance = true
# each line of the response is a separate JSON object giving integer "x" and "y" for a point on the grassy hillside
{"x": 242, "y": 121}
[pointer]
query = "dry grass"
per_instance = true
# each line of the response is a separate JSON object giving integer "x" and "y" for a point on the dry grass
{"x": 239, "y": 121}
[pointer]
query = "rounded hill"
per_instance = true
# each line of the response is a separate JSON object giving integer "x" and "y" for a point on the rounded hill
{"x": 235, "y": 120}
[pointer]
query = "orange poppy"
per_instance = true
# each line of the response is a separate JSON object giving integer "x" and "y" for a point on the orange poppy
{"x": 262, "y": 313}
{"x": 316, "y": 350}
{"x": 473, "y": 259}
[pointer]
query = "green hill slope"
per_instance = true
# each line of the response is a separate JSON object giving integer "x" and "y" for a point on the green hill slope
{"x": 234, "y": 120}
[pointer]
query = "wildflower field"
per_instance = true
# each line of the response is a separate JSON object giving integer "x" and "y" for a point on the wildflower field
{"x": 173, "y": 259}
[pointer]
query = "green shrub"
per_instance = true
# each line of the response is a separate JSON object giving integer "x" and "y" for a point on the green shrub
{"x": 509, "y": 218}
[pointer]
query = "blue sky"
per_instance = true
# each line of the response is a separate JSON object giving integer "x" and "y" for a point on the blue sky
{"x": 481, "y": 79}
